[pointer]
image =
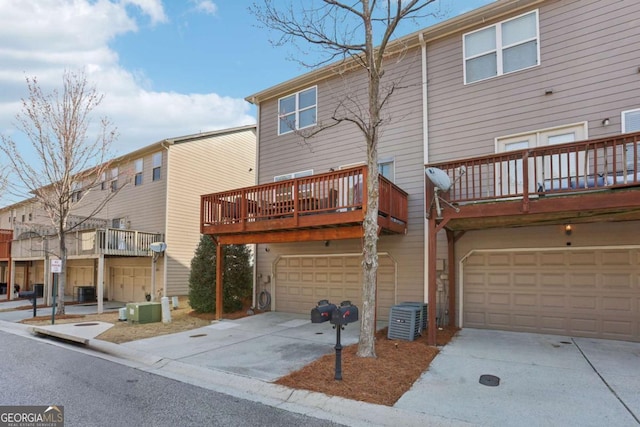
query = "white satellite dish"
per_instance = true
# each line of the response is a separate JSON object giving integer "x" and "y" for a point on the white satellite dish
{"x": 158, "y": 247}
{"x": 439, "y": 178}
{"x": 442, "y": 183}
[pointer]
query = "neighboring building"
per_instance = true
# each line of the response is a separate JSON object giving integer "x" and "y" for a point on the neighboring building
{"x": 511, "y": 84}
{"x": 158, "y": 195}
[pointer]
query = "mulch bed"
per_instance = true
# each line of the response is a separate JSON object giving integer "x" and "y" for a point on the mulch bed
{"x": 381, "y": 380}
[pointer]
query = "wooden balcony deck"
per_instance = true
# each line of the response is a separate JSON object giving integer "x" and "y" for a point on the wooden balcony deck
{"x": 6, "y": 236}
{"x": 326, "y": 206}
{"x": 584, "y": 181}
{"x": 85, "y": 243}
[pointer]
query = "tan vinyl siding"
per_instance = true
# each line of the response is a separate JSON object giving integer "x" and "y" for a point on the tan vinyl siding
{"x": 141, "y": 205}
{"x": 401, "y": 139}
{"x": 196, "y": 167}
{"x": 591, "y": 69}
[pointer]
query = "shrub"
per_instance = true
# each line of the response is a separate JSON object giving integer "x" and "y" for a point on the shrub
{"x": 237, "y": 277}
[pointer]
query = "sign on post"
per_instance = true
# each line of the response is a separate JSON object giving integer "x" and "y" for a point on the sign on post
{"x": 56, "y": 266}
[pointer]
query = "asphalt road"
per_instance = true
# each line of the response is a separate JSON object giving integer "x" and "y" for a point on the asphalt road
{"x": 97, "y": 392}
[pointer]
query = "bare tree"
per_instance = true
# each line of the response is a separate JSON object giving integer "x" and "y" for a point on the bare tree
{"x": 346, "y": 31}
{"x": 68, "y": 160}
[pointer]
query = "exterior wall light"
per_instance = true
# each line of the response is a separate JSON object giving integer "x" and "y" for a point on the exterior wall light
{"x": 568, "y": 229}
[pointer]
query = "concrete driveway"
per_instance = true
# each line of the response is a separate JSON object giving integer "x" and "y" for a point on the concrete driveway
{"x": 545, "y": 380}
{"x": 267, "y": 346}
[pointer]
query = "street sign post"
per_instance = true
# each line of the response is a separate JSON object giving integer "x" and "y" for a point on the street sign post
{"x": 56, "y": 267}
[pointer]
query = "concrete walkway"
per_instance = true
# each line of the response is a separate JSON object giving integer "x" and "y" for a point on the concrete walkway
{"x": 544, "y": 380}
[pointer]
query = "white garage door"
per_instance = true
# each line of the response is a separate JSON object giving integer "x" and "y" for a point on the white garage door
{"x": 578, "y": 292}
{"x": 303, "y": 281}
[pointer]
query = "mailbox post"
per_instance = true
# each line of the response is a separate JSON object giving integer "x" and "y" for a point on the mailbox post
{"x": 339, "y": 316}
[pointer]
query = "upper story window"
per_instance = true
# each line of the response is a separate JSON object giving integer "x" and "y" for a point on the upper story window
{"x": 502, "y": 48}
{"x": 138, "y": 177}
{"x": 157, "y": 166}
{"x": 76, "y": 192}
{"x": 103, "y": 181}
{"x": 114, "y": 179}
{"x": 297, "y": 111}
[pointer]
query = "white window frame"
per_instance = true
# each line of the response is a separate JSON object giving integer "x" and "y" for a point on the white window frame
{"x": 114, "y": 179}
{"x": 297, "y": 111}
{"x": 157, "y": 165}
{"x": 629, "y": 149}
{"x": 624, "y": 121}
{"x": 388, "y": 161}
{"x": 498, "y": 48}
{"x": 137, "y": 178}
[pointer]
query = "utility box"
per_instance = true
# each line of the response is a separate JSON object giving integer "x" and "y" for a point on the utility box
{"x": 144, "y": 312}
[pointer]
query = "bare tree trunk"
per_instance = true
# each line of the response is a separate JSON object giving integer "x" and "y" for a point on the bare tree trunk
{"x": 62, "y": 276}
{"x": 366, "y": 344}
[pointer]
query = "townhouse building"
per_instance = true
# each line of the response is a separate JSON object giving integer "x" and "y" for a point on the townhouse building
{"x": 530, "y": 108}
{"x": 157, "y": 200}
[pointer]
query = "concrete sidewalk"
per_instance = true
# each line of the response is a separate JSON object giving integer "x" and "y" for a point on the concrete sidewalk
{"x": 544, "y": 379}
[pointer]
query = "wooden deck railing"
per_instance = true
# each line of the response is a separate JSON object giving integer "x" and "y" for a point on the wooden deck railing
{"x": 6, "y": 236}
{"x": 107, "y": 241}
{"x": 583, "y": 166}
{"x": 312, "y": 201}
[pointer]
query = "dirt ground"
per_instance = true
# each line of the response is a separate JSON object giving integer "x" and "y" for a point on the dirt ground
{"x": 381, "y": 380}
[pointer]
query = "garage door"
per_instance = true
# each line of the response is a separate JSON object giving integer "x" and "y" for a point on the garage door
{"x": 130, "y": 284}
{"x": 302, "y": 281}
{"x": 588, "y": 293}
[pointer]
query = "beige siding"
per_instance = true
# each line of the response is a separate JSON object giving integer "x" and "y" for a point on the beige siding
{"x": 218, "y": 163}
{"x": 142, "y": 206}
{"x": 588, "y": 58}
{"x": 401, "y": 139}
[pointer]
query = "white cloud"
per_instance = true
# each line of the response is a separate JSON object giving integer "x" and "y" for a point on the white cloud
{"x": 42, "y": 38}
{"x": 205, "y": 6}
{"x": 153, "y": 8}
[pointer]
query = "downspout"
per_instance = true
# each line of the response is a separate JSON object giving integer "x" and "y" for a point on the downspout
{"x": 166, "y": 225}
{"x": 256, "y": 168}
{"x": 425, "y": 144}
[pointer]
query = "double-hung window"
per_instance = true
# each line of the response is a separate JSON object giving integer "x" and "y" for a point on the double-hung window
{"x": 297, "y": 111}
{"x": 114, "y": 179}
{"x": 138, "y": 177}
{"x": 502, "y": 48}
{"x": 157, "y": 166}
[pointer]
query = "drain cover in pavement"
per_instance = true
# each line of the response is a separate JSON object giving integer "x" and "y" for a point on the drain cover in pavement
{"x": 489, "y": 380}
{"x": 85, "y": 324}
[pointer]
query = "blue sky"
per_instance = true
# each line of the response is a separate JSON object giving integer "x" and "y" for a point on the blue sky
{"x": 167, "y": 68}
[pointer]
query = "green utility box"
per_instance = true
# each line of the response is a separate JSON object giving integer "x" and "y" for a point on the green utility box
{"x": 144, "y": 312}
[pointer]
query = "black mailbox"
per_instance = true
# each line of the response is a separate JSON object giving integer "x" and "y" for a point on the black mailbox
{"x": 27, "y": 294}
{"x": 322, "y": 312}
{"x": 345, "y": 313}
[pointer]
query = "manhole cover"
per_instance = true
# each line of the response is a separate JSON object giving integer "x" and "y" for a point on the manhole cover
{"x": 197, "y": 335}
{"x": 489, "y": 380}
{"x": 86, "y": 324}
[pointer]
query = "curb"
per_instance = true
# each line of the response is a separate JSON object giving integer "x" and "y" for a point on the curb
{"x": 313, "y": 404}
